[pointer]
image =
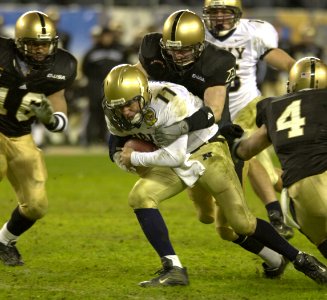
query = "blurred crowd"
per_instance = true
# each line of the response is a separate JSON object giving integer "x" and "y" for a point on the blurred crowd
{"x": 246, "y": 3}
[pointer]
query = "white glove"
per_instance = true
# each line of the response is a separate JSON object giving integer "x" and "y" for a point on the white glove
{"x": 43, "y": 111}
{"x": 116, "y": 158}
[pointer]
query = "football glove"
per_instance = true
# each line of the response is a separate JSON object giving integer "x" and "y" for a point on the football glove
{"x": 43, "y": 111}
{"x": 166, "y": 135}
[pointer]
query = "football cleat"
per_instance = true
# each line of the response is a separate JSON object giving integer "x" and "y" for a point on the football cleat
{"x": 271, "y": 272}
{"x": 311, "y": 267}
{"x": 10, "y": 255}
{"x": 169, "y": 275}
{"x": 276, "y": 220}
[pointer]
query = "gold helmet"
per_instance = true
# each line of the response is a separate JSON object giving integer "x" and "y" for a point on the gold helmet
{"x": 307, "y": 73}
{"x": 34, "y": 29}
{"x": 183, "y": 37}
{"x": 124, "y": 85}
{"x": 221, "y": 16}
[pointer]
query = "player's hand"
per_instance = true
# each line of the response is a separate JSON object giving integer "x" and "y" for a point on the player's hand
{"x": 118, "y": 160}
{"x": 43, "y": 111}
{"x": 125, "y": 157}
{"x": 166, "y": 135}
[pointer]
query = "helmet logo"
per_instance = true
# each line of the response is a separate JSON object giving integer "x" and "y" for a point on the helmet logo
{"x": 150, "y": 117}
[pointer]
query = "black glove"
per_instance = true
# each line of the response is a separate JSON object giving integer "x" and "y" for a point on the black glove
{"x": 231, "y": 132}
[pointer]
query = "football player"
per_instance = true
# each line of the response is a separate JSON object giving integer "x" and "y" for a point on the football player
{"x": 135, "y": 107}
{"x": 34, "y": 74}
{"x": 295, "y": 124}
{"x": 249, "y": 41}
{"x": 181, "y": 55}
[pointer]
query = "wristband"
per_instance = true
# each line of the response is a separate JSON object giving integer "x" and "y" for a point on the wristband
{"x": 59, "y": 124}
{"x": 203, "y": 118}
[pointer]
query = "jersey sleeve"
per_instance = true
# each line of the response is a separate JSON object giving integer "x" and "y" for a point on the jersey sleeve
{"x": 218, "y": 66}
{"x": 266, "y": 37}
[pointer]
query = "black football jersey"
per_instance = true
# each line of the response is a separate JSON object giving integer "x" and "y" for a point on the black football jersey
{"x": 297, "y": 128}
{"x": 15, "y": 88}
{"x": 214, "y": 67}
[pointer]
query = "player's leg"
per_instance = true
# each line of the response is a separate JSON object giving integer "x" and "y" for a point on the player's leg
{"x": 27, "y": 175}
{"x": 309, "y": 198}
{"x": 261, "y": 184}
{"x": 230, "y": 199}
{"x": 156, "y": 185}
{"x": 261, "y": 178}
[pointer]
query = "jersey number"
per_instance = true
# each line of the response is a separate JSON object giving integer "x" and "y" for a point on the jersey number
{"x": 24, "y": 111}
{"x": 291, "y": 119}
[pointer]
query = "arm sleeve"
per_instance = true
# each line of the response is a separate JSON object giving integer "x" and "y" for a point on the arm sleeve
{"x": 171, "y": 156}
{"x": 116, "y": 143}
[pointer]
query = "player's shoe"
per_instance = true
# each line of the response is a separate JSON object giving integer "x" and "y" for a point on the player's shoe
{"x": 311, "y": 267}
{"x": 276, "y": 220}
{"x": 271, "y": 272}
{"x": 10, "y": 255}
{"x": 169, "y": 275}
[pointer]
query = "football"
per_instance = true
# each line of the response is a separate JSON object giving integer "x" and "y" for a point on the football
{"x": 140, "y": 145}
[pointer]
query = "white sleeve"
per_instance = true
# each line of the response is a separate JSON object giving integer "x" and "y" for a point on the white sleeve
{"x": 267, "y": 37}
{"x": 172, "y": 156}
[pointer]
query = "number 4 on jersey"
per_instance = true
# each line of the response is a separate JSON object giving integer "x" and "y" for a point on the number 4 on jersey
{"x": 291, "y": 119}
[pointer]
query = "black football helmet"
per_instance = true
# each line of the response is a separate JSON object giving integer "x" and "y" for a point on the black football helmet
{"x": 36, "y": 38}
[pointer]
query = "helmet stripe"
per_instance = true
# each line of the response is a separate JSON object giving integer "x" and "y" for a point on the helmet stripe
{"x": 313, "y": 73}
{"x": 173, "y": 30}
{"x": 44, "y": 29}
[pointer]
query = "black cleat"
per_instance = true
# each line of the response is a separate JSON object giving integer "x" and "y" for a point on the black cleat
{"x": 10, "y": 255}
{"x": 271, "y": 272}
{"x": 169, "y": 275}
{"x": 276, "y": 220}
{"x": 311, "y": 267}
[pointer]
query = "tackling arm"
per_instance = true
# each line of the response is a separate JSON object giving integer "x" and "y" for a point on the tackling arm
{"x": 246, "y": 148}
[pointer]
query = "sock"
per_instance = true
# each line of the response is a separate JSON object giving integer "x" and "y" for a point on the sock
{"x": 275, "y": 205}
{"x": 155, "y": 230}
{"x": 175, "y": 260}
{"x": 18, "y": 223}
{"x": 268, "y": 236}
{"x": 323, "y": 248}
{"x": 7, "y": 237}
{"x": 272, "y": 258}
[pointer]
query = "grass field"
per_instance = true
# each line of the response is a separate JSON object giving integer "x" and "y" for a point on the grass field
{"x": 90, "y": 246}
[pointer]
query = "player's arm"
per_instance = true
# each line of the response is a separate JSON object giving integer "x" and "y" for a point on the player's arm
{"x": 52, "y": 111}
{"x": 169, "y": 156}
{"x": 279, "y": 59}
{"x": 245, "y": 148}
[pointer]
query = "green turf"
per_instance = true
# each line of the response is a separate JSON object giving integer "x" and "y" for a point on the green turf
{"x": 90, "y": 246}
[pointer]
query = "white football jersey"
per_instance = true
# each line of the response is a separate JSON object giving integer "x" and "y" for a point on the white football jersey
{"x": 170, "y": 103}
{"x": 251, "y": 39}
